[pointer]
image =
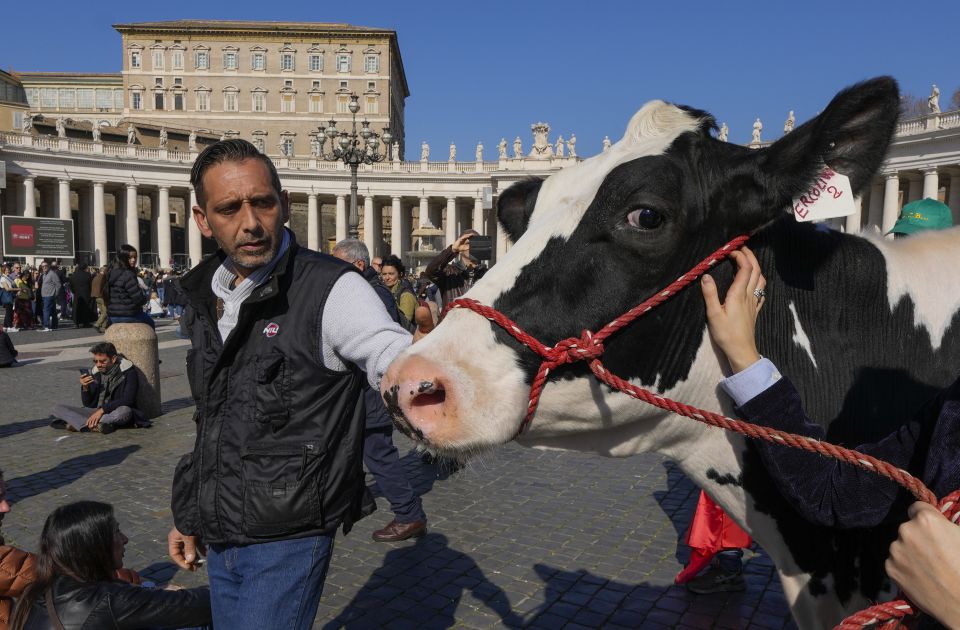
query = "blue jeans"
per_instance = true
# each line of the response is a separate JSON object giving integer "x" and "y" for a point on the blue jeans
{"x": 142, "y": 318}
{"x": 273, "y": 585}
{"x": 50, "y": 312}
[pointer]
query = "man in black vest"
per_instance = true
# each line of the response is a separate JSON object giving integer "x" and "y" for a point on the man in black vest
{"x": 379, "y": 452}
{"x": 283, "y": 339}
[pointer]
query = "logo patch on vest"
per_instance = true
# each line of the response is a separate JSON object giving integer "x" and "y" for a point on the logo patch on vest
{"x": 272, "y": 329}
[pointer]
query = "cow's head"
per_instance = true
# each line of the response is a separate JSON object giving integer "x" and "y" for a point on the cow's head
{"x": 594, "y": 240}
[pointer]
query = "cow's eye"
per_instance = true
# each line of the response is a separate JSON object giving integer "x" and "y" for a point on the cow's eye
{"x": 645, "y": 219}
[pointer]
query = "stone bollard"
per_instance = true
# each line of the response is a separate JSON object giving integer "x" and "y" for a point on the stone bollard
{"x": 138, "y": 343}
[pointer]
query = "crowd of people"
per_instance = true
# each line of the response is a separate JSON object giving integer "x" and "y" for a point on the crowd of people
{"x": 289, "y": 411}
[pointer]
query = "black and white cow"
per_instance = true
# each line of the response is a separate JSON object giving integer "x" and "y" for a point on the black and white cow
{"x": 866, "y": 327}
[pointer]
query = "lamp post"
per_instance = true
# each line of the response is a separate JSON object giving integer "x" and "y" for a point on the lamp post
{"x": 353, "y": 149}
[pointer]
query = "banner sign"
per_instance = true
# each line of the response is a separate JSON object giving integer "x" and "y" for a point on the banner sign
{"x": 37, "y": 236}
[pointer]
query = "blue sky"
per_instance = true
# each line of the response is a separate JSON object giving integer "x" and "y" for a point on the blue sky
{"x": 479, "y": 71}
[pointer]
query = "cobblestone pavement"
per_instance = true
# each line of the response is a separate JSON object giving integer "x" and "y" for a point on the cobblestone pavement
{"x": 518, "y": 538}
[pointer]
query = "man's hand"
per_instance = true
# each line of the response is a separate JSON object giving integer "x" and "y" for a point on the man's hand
{"x": 184, "y": 550}
{"x": 94, "y": 418}
{"x": 923, "y": 562}
{"x": 86, "y": 380}
{"x": 732, "y": 324}
{"x": 462, "y": 244}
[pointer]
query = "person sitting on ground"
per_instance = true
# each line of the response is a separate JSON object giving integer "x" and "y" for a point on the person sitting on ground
{"x": 17, "y": 567}
{"x": 454, "y": 270}
{"x": 8, "y": 353}
{"x": 125, "y": 298}
{"x": 109, "y": 397}
{"x": 831, "y": 493}
{"x": 81, "y": 547}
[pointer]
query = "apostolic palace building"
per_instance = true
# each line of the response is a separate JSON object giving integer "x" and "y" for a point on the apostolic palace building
{"x": 113, "y": 151}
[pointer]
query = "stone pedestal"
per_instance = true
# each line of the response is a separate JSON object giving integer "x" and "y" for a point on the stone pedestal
{"x": 138, "y": 343}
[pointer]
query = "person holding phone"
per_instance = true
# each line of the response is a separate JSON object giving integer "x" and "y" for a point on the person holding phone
{"x": 109, "y": 397}
{"x": 455, "y": 270}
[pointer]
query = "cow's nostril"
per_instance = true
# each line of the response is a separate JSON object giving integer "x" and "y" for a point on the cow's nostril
{"x": 429, "y": 393}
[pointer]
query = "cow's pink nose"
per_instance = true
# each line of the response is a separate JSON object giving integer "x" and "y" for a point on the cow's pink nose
{"x": 423, "y": 393}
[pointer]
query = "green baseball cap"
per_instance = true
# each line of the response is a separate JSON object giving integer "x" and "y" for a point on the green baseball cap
{"x": 924, "y": 214}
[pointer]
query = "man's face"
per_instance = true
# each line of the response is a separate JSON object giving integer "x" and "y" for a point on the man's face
{"x": 376, "y": 263}
{"x": 16, "y": 269}
{"x": 243, "y": 212}
{"x": 104, "y": 361}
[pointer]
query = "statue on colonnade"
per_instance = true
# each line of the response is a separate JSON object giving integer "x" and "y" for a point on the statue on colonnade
{"x": 424, "y": 151}
{"x": 606, "y": 142}
{"x": 757, "y": 128}
{"x": 541, "y": 141}
{"x": 517, "y": 148}
{"x": 479, "y": 154}
{"x": 724, "y": 132}
{"x": 131, "y": 134}
{"x": 502, "y": 149}
{"x": 790, "y": 122}
{"x": 572, "y": 145}
{"x": 61, "y": 127}
{"x": 192, "y": 140}
{"x": 934, "y": 101}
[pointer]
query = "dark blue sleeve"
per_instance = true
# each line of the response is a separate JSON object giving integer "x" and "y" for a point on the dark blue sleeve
{"x": 89, "y": 397}
{"x": 822, "y": 490}
{"x": 126, "y": 394}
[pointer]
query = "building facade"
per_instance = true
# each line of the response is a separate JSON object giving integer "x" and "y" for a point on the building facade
{"x": 13, "y": 103}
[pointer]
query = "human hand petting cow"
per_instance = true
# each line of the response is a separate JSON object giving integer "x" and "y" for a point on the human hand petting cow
{"x": 922, "y": 559}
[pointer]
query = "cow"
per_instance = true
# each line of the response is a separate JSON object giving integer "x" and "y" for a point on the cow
{"x": 866, "y": 327}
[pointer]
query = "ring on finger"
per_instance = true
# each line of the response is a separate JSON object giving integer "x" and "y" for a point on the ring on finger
{"x": 759, "y": 293}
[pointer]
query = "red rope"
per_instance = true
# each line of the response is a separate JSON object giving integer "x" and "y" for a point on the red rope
{"x": 589, "y": 347}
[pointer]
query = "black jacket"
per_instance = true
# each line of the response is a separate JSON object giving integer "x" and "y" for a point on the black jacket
{"x": 124, "y": 395}
{"x": 171, "y": 291}
{"x": 120, "y": 605}
{"x": 279, "y": 442}
{"x": 377, "y": 414}
{"x": 80, "y": 282}
{"x": 452, "y": 279}
{"x": 8, "y": 354}
{"x": 126, "y": 298}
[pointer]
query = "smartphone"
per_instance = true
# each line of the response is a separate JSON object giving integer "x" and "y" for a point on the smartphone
{"x": 481, "y": 247}
{"x": 84, "y": 371}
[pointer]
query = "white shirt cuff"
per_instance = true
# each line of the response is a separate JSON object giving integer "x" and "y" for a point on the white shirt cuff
{"x": 749, "y": 383}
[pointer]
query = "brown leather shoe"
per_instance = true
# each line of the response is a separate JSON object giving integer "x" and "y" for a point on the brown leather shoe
{"x": 395, "y": 531}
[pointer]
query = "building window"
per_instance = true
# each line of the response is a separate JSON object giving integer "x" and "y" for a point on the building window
{"x": 343, "y": 63}
{"x": 136, "y": 100}
{"x": 258, "y": 61}
{"x": 178, "y": 101}
{"x": 288, "y": 83}
{"x": 48, "y": 98}
{"x": 343, "y": 104}
{"x": 202, "y": 60}
{"x": 158, "y": 101}
{"x": 372, "y": 106}
{"x": 316, "y": 63}
{"x": 68, "y": 98}
{"x": 203, "y": 101}
{"x": 85, "y": 98}
{"x": 286, "y": 146}
{"x": 177, "y": 81}
{"x": 316, "y": 104}
{"x": 259, "y": 102}
{"x": 177, "y": 60}
{"x": 158, "y": 60}
{"x": 316, "y": 85}
{"x": 158, "y": 81}
{"x": 287, "y": 103}
{"x": 343, "y": 85}
{"x": 118, "y": 99}
{"x": 135, "y": 60}
{"x": 371, "y": 63}
{"x": 230, "y": 102}
{"x": 286, "y": 61}
{"x": 229, "y": 61}
{"x": 104, "y": 99}
{"x": 371, "y": 86}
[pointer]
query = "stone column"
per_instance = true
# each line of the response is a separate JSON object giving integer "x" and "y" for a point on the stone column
{"x": 85, "y": 224}
{"x": 451, "y": 220}
{"x": 424, "y": 212}
{"x": 63, "y": 199}
{"x": 341, "y": 218}
{"x": 164, "y": 249}
{"x": 931, "y": 183}
{"x": 99, "y": 225}
{"x": 875, "y": 215}
{"x": 369, "y": 225}
{"x": 132, "y": 217}
{"x": 396, "y": 227}
{"x": 852, "y": 222}
{"x": 195, "y": 243}
{"x": 478, "y": 223}
{"x": 954, "y": 199}
{"x": 891, "y": 202}
{"x": 313, "y": 222}
{"x": 914, "y": 190}
{"x": 29, "y": 197}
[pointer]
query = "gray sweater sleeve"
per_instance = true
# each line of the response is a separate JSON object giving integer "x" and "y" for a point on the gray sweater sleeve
{"x": 356, "y": 329}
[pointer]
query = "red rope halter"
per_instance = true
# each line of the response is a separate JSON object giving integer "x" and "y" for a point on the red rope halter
{"x": 589, "y": 347}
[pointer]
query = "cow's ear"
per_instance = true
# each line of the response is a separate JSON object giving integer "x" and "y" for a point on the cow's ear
{"x": 516, "y": 205}
{"x": 851, "y": 136}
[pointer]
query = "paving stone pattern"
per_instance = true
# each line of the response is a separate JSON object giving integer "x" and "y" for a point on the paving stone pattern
{"x": 518, "y": 537}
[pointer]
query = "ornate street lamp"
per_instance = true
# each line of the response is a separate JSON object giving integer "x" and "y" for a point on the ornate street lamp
{"x": 353, "y": 149}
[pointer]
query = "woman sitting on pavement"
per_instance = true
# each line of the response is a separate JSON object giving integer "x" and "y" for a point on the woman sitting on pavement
{"x": 125, "y": 298}
{"x": 80, "y": 548}
{"x": 828, "y": 492}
